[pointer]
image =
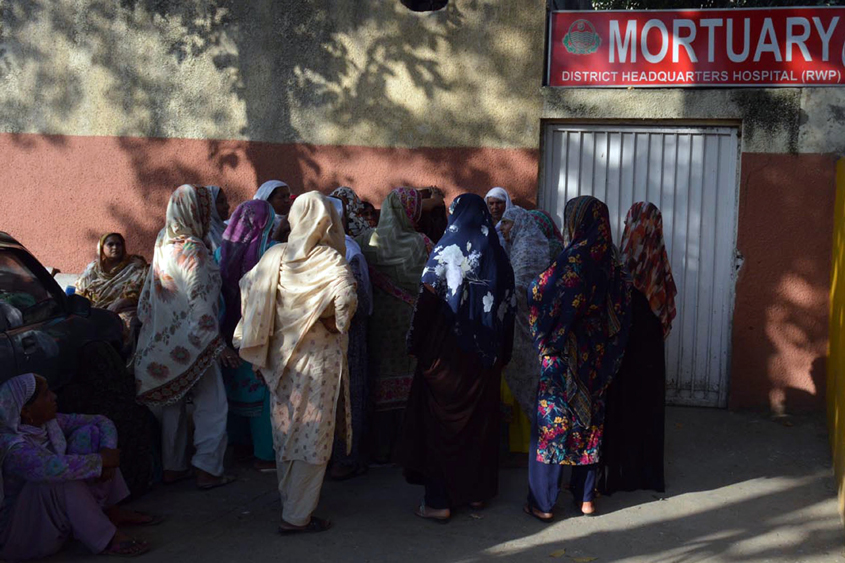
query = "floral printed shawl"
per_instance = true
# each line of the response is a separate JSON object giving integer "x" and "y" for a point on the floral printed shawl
{"x": 354, "y": 209}
{"x": 469, "y": 270}
{"x": 180, "y": 337}
{"x": 580, "y": 308}
{"x": 396, "y": 253}
{"x": 244, "y": 242}
{"x": 103, "y": 287}
{"x": 528, "y": 247}
{"x": 645, "y": 256}
{"x": 549, "y": 228}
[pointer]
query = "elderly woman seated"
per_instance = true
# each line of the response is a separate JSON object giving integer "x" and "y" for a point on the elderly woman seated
{"x": 114, "y": 280}
{"x": 60, "y": 478}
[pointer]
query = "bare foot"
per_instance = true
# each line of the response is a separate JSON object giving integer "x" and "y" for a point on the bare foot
{"x": 588, "y": 508}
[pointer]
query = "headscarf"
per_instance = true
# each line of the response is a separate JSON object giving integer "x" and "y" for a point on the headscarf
{"x": 585, "y": 281}
{"x": 394, "y": 250}
{"x": 528, "y": 247}
{"x": 354, "y": 208}
{"x": 500, "y": 194}
{"x": 244, "y": 242}
{"x": 266, "y": 189}
{"x": 180, "y": 337}
{"x": 15, "y": 393}
{"x": 295, "y": 284}
{"x": 215, "y": 230}
{"x": 547, "y": 224}
{"x": 354, "y": 254}
{"x": 470, "y": 272}
{"x": 124, "y": 281}
{"x": 645, "y": 256}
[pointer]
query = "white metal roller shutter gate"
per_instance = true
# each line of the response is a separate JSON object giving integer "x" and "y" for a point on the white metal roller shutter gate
{"x": 691, "y": 175}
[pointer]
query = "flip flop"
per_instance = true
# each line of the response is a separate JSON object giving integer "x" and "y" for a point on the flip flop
{"x": 420, "y": 512}
{"x": 154, "y": 520}
{"x": 315, "y": 526}
{"x": 530, "y": 512}
{"x": 182, "y": 476}
{"x": 127, "y": 548}
{"x": 220, "y": 482}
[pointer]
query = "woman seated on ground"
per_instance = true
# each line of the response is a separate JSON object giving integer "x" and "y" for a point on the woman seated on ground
{"x": 60, "y": 478}
{"x": 114, "y": 280}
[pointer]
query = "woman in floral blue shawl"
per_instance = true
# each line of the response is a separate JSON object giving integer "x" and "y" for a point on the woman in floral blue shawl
{"x": 580, "y": 315}
{"x": 461, "y": 336}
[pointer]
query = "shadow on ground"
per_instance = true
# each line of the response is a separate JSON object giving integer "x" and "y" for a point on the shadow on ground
{"x": 741, "y": 487}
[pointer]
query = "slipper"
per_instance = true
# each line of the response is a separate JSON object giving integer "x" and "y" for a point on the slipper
{"x": 530, "y": 512}
{"x": 154, "y": 520}
{"x": 422, "y": 514}
{"x": 351, "y": 474}
{"x": 316, "y": 525}
{"x": 220, "y": 482}
{"x": 181, "y": 476}
{"x": 127, "y": 548}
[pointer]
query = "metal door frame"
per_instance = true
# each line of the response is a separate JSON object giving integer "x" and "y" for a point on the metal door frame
{"x": 548, "y": 159}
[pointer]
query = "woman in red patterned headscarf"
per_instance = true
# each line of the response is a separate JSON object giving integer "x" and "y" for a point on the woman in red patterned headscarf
{"x": 632, "y": 456}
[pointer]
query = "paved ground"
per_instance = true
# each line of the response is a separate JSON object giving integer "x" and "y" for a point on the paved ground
{"x": 741, "y": 488}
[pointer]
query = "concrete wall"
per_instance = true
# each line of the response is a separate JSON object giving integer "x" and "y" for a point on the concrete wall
{"x": 790, "y": 139}
{"x": 836, "y": 351}
{"x": 105, "y": 107}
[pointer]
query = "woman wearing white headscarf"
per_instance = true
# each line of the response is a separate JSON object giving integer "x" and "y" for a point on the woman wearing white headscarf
{"x": 528, "y": 249}
{"x": 219, "y": 215}
{"x": 60, "y": 477}
{"x": 298, "y": 303}
{"x": 498, "y": 202}
{"x": 277, "y": 194}
{"x": 180, "y": 345}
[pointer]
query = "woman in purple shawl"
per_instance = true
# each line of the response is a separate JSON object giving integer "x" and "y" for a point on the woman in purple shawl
{"x": 244, "y": 242}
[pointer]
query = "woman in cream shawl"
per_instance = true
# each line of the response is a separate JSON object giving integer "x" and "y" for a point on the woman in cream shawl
{"x": 298, "y": 303}
{"x": 180, "y": 343}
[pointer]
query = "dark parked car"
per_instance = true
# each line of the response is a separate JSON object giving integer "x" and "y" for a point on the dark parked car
{"x": 44, "y": 331}
{"x": 77, "y": 348}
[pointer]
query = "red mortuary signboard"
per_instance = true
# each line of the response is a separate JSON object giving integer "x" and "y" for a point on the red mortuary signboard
{"x": 683, "y": 48}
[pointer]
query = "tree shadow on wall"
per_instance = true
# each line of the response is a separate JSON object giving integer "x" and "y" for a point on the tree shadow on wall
{"x": 294, "y": 67}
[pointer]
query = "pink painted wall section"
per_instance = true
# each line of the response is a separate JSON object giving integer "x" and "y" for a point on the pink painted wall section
{"x": 780, "y": 329}
{"x": 61, "y": 192}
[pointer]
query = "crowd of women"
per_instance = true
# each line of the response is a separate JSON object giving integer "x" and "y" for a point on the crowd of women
{"x": 318, "y": 335}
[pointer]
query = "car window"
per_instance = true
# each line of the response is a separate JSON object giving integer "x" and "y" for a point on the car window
{"x": 23, "y": 298}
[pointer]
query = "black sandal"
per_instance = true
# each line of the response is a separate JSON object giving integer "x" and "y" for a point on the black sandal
{"x": 316, "y": 525}
{"x": 529, "y": 510}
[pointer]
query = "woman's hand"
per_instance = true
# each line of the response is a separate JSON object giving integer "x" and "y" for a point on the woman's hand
{"x": 110, "y": 457}
{"x": 107, "y": 474}
{"x": 229, "y": 358}
{"x": 120, "y": 305}
{"x": 330, "y": 324}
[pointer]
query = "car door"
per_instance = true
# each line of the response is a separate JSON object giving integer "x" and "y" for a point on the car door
{"x": 34, "y": 318}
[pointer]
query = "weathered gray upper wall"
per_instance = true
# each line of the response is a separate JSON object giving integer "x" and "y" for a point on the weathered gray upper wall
{"x": 360, "y": 72}
{"x": 784, "y": 120}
